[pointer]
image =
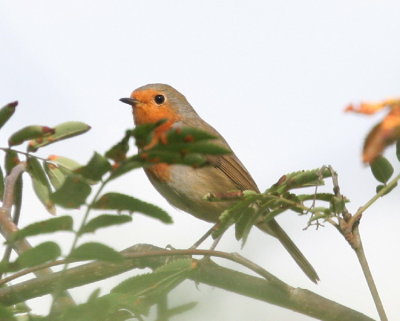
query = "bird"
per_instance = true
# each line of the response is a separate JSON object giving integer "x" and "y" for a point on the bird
{"x": 183, "y": 186}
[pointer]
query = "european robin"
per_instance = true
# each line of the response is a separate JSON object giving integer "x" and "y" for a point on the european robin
{"x": 183, "y": 186}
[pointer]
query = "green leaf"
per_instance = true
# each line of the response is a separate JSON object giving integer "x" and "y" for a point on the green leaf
{"x": 6, "y": 314}
{"x": 104, "y": 221}
{"x": 39, "y": 254}
{"x": 56, "y": 176}
{"x": 7, "y": 267}
{"x": 188, "y": 135}
{"x": 269, "y": 215}
{"x": 65, "y": 163}
{"x": 62, "y": 223}
{"x": 230, "y": 216}
{"x": 73, "y": 193}
{"x": 118, "y": 152}
{"x": 180, "y": 309}
{"x": 246, "y": 221}
{"x": 381, "y": 169}
{"x": 10, "y": 161}
{"x": 398, "y": 149}
{"x": 379, "y": 187}
{"x": 29, "y": 132}
{"x": 61, "y": 131}
{"x": 163, "y": 278}
{"x": 22, "y": 307}
{"x": 99, "y": 310}
{"x": 126, "y": 166}
{"x": 151, "y": 157}
{"x": 337, "y": 204}
{"x": 159, "y": 156}
{"x": 95, "y": 169}
{"x": 203, "y": 148}
{"x": 40, "y": 184}
{"x": 6, "y": 112}
{"x": 301, "y": 179}
{"x": 144, "y": 132}
{"x": 180, "y": 265}
{"x": 194, "y": 160}
{"x": 95, "y": 251}
{"x": 94, "y": 295}
{"x": 327, "y": 197}
{"x": 121, "y": 202}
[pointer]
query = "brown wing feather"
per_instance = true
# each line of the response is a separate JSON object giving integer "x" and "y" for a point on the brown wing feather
{"x": 230, "y": 165}
{"x": 237, "y": 173}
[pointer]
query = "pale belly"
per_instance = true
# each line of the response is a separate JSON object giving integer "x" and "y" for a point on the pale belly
{"x": 186, "y": 187}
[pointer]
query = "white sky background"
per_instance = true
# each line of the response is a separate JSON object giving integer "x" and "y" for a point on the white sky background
{"x": 272, "y": 76}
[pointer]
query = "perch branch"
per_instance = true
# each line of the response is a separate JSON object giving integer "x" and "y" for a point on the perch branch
{"x": 207, "y": 272}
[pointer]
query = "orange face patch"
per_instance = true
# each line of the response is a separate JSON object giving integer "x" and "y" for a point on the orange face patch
{"x": 146, "y": 111}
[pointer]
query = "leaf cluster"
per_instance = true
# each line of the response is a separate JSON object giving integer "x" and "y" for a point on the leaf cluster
{"x": 286, "y": 194}
{"x": 59, "y": 181}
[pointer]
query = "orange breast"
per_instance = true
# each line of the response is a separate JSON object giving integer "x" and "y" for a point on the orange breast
{"x": 159, "y": 172}
{"x": 146, "y": 113}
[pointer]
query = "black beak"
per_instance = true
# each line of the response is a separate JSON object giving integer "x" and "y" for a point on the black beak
{"x": 129, "y": 101}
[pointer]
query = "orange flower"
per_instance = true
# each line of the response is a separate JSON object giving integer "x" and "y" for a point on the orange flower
{"x": 384, "y": 133}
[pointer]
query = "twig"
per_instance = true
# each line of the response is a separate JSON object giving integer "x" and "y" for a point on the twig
{"x": 11, "y": 179}
{"x": 58, "y": 291}
{"x": 382, "y": 192}
{"x": 8, "y": 227}
{"x": 15, "y": 218}
{"x": 33, "y": 269}
{"x": 8, "y": 149}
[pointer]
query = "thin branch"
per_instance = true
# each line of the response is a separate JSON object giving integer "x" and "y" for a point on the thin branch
{"x": 7, "y": 226}
{"x": 27, "y": 154}
{"x": 15, "y": 218}
{"x": 382, "y": 192}
{"x": 235, "y": 257}
{"x": 58, "y": 291}
{"x": 11, "y": 179}
{"x": 33, "y": 269}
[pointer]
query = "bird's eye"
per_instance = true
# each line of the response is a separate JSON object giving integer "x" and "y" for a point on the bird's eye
{"x": 159, "y": 99}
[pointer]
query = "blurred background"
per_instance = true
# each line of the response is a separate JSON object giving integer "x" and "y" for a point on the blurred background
{"x": 272, "y": 76}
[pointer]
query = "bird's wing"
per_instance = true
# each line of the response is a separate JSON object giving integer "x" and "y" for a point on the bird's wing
{"x": 229, "y": 164}
{"x": 235, "y": 171}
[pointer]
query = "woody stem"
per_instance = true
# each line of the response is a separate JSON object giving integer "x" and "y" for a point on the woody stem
{"x": 368, "y": 276}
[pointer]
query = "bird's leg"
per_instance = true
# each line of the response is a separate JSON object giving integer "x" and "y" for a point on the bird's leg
{"x": 204, "y": 237}
{"x": 216, "y": 241}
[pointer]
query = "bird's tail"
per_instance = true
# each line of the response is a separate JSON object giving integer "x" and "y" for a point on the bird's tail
{"x": 273, "y": 228}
